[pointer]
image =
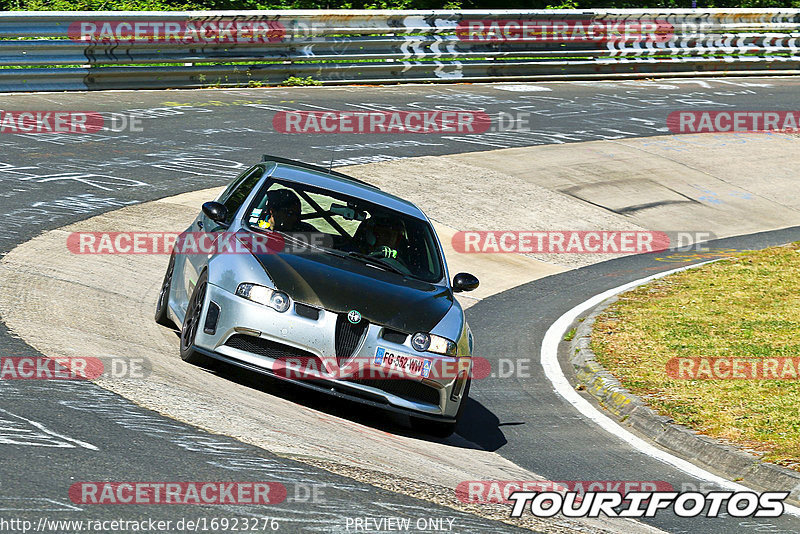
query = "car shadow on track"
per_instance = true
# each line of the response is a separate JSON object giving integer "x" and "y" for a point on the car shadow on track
{"x": 477, "y": 422}
{"x": 481, "y": 426}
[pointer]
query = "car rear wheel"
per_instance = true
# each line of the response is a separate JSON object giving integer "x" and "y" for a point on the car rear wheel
{"x": 191, "y": 323}
{"x": 437, "y": 428}
{"x": 162, "y": 317}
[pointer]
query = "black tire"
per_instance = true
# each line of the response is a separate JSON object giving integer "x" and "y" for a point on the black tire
{"x": 191, "y": 322}
{"x": 439, "y": 429}
{"x": 162, "y": 317}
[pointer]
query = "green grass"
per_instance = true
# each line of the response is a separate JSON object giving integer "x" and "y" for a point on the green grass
{"x": 569, "y": 336}
{"x": 743, "y": 307}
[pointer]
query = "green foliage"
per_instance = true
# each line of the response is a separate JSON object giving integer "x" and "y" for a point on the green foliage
{"x": 297, "y": 81}
{"x": 565, "y": 4}
{"x": 99, "y": 5}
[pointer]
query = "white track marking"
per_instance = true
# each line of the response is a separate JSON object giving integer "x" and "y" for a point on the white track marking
{"x": 517, "y": 88}
{"x": 549, "y": 361}
{"x": 46, "y": 430}
{"x": 29, "y": 504}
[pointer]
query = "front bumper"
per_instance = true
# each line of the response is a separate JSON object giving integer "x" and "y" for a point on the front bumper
{"x": 243, "y": 324}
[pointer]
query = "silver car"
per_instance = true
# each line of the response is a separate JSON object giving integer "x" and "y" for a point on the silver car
{"x": 315, "y": 277}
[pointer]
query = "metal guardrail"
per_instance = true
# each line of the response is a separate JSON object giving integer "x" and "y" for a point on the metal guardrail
{"x": 52, "y": 51}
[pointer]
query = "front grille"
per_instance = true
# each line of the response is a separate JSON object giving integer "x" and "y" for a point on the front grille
{"x": 348, "y": 337}
{"x": 275, "y": 350}
{"x": 408, "y": 389}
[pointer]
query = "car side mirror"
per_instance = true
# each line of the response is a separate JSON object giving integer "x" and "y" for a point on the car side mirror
{"x": 464, "y": 282}
{"x": 215, "y": 211}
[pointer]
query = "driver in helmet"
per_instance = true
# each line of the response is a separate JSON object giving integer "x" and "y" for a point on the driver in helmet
{"x": 282, "y": 213}
{"x": 388, "y": 234}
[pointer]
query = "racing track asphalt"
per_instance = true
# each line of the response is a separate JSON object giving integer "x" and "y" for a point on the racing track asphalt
{"x": 49, "y": 181}
{"x": 134, "y": 444}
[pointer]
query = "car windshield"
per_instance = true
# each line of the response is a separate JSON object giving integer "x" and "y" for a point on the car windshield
{"x": 351, "y": 227}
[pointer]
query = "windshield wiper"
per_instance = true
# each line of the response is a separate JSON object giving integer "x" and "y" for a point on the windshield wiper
{"x": 372, "y": 260}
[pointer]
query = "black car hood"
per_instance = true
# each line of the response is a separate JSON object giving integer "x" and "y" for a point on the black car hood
{"x": 344, "y": 284}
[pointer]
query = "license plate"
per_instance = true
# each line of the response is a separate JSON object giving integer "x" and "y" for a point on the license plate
{"x": 403, "y": 362}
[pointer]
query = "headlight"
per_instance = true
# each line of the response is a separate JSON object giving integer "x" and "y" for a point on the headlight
{"x": 432, "y": 343}
{"x": 277, "y": 300}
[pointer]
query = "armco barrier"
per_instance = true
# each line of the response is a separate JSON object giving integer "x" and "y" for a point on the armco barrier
{"x": 51, "y": 51}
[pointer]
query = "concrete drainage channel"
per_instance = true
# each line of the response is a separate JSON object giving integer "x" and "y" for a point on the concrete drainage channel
{"x": 102, "y": 305}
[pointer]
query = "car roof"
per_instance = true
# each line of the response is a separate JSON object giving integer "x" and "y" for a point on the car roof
{"x": 340, "y": 183}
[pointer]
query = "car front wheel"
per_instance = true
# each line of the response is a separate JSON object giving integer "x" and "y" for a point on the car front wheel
{"x": 162, "y": 305}
{"x": 191, "y": 322}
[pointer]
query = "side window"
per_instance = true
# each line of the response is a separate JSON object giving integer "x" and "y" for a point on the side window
{"x": 233, "y": 185}
{"x": 235, "y": 195}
